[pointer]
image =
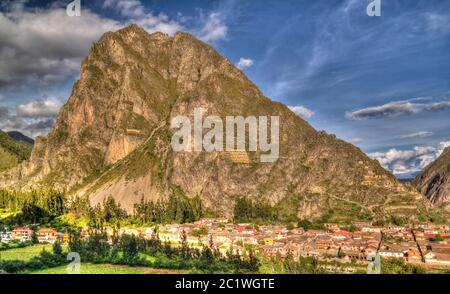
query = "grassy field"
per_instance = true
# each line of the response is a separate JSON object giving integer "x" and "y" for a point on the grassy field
{"x": 89, "y": 268}
{"x": 25, "y": 253}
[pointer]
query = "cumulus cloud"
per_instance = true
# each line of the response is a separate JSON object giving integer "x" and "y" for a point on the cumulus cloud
{"x": 45, "y": 45}
{"x": 38, "y": 109}
{"x": 244, "y": 63}
{"x": 302, "y": 111}
{"x": 39, "y": 128}
{"x": 42, "y": 47}
{"x": 213, "y": 29}
{"x": 417, "y": 135}
{"x": 31, "y": 127}
{"x": 408, "y": 163}
{"x": 135, "y": 12}
{"x": 397, "y": 108}
{"x": 129, "y": 8}
{"x": 35, "y": 118}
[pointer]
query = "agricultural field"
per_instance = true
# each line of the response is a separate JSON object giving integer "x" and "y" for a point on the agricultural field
{"x": 25, "y": 253}
{"x": 90, "y": 268}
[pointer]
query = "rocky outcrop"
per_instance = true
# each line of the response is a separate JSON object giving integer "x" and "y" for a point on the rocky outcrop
{"x": 113, "y": 136}
{"x": 434, "y": 182}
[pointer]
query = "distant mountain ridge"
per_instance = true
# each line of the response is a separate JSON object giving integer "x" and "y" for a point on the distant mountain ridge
{"x": 112, "y": 138}
{"x": 18, "y": 136}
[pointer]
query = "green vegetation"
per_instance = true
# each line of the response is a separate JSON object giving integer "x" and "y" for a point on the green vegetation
{"x": 200, "y": 232}
{"x": 6, "y": 214}
{"x": 91, "y": 268}
{"x": 19, "y": 148}
{"x": 246, "y": 210}
{"x": 260, "y": 212}
{"x": 7, "y": 160}
{"x": 13, "y": 244}
{"x": 307, "y": 225}
{"x": 51, "y": 208}
{"x": 132, "y": 251}
{"x": 25, "y": 253}
{"x": 12, "y": 152}
{"x": 178, "y": 209}
{"x": 44, "y": 259}
{"x": 34, "y": 207}
{"x": 129, "y": 254}
{"x": 438, "y": 238}
{"x": 137, "y": 251}
{"x": 399, "y": 266}
{"x": 304, "y": 265}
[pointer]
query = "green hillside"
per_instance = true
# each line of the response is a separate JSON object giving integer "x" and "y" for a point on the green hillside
{"x": 12, "y": 152}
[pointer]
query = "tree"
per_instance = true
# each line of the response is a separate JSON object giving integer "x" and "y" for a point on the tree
{"x": 112, "y": 210}
{"x": 55, "y": 204}
{"x": 341, "y": 253}
{"x": 399, "y": 266}
{"x": 200, "y": 232}
{"x": 34, "y": 238}
{"x": 33, "y": 213}
{"x": 253, "y": 262}
{"x": 57, "y": 248}
{"x": 246, "y": 210}
{"x": 305, "y": 224}
{"x": 184, "y": 245}
{"x": 129, "y": 246}
{"x": 75, "y": 243}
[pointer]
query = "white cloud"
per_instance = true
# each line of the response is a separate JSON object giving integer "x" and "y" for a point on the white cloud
{"x": 46, "y": 45}
{"x": 408, "y": 163}
{"x": 417, "y": 135}
{"x": 31, "y": 127}
{"x": 213, "y": 29}
{"x": 128, "y": 8}
{"x": 43, "y": 47}
{"x": 244, "y": 63}
{"x": 38, "y": 109}
{"x": 35, "y": 118}
{"x": 302, "y": 111}
{"x": 396, "y": 108}
{"x": 136, "y": 13}
{"x": 38, "y": 127}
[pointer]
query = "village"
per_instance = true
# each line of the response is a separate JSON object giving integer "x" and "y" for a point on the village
{"x": 425, "y": 244}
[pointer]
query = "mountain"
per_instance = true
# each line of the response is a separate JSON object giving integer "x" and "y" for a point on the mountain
{"x": 112, "y": 138}
{"x": 18, "y": 136}
{"x": 12, "y": 151}
{"x": 434, "y": 182}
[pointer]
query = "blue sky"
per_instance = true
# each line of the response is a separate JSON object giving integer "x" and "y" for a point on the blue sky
{"x": 381, "y": 83}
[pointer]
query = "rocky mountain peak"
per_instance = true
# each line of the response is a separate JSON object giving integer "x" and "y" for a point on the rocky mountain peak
{"x": 112, "y": 138}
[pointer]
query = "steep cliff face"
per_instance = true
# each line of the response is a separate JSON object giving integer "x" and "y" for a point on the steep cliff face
{"x": 434, "y": 182}
{"x": 113, "y": 137}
